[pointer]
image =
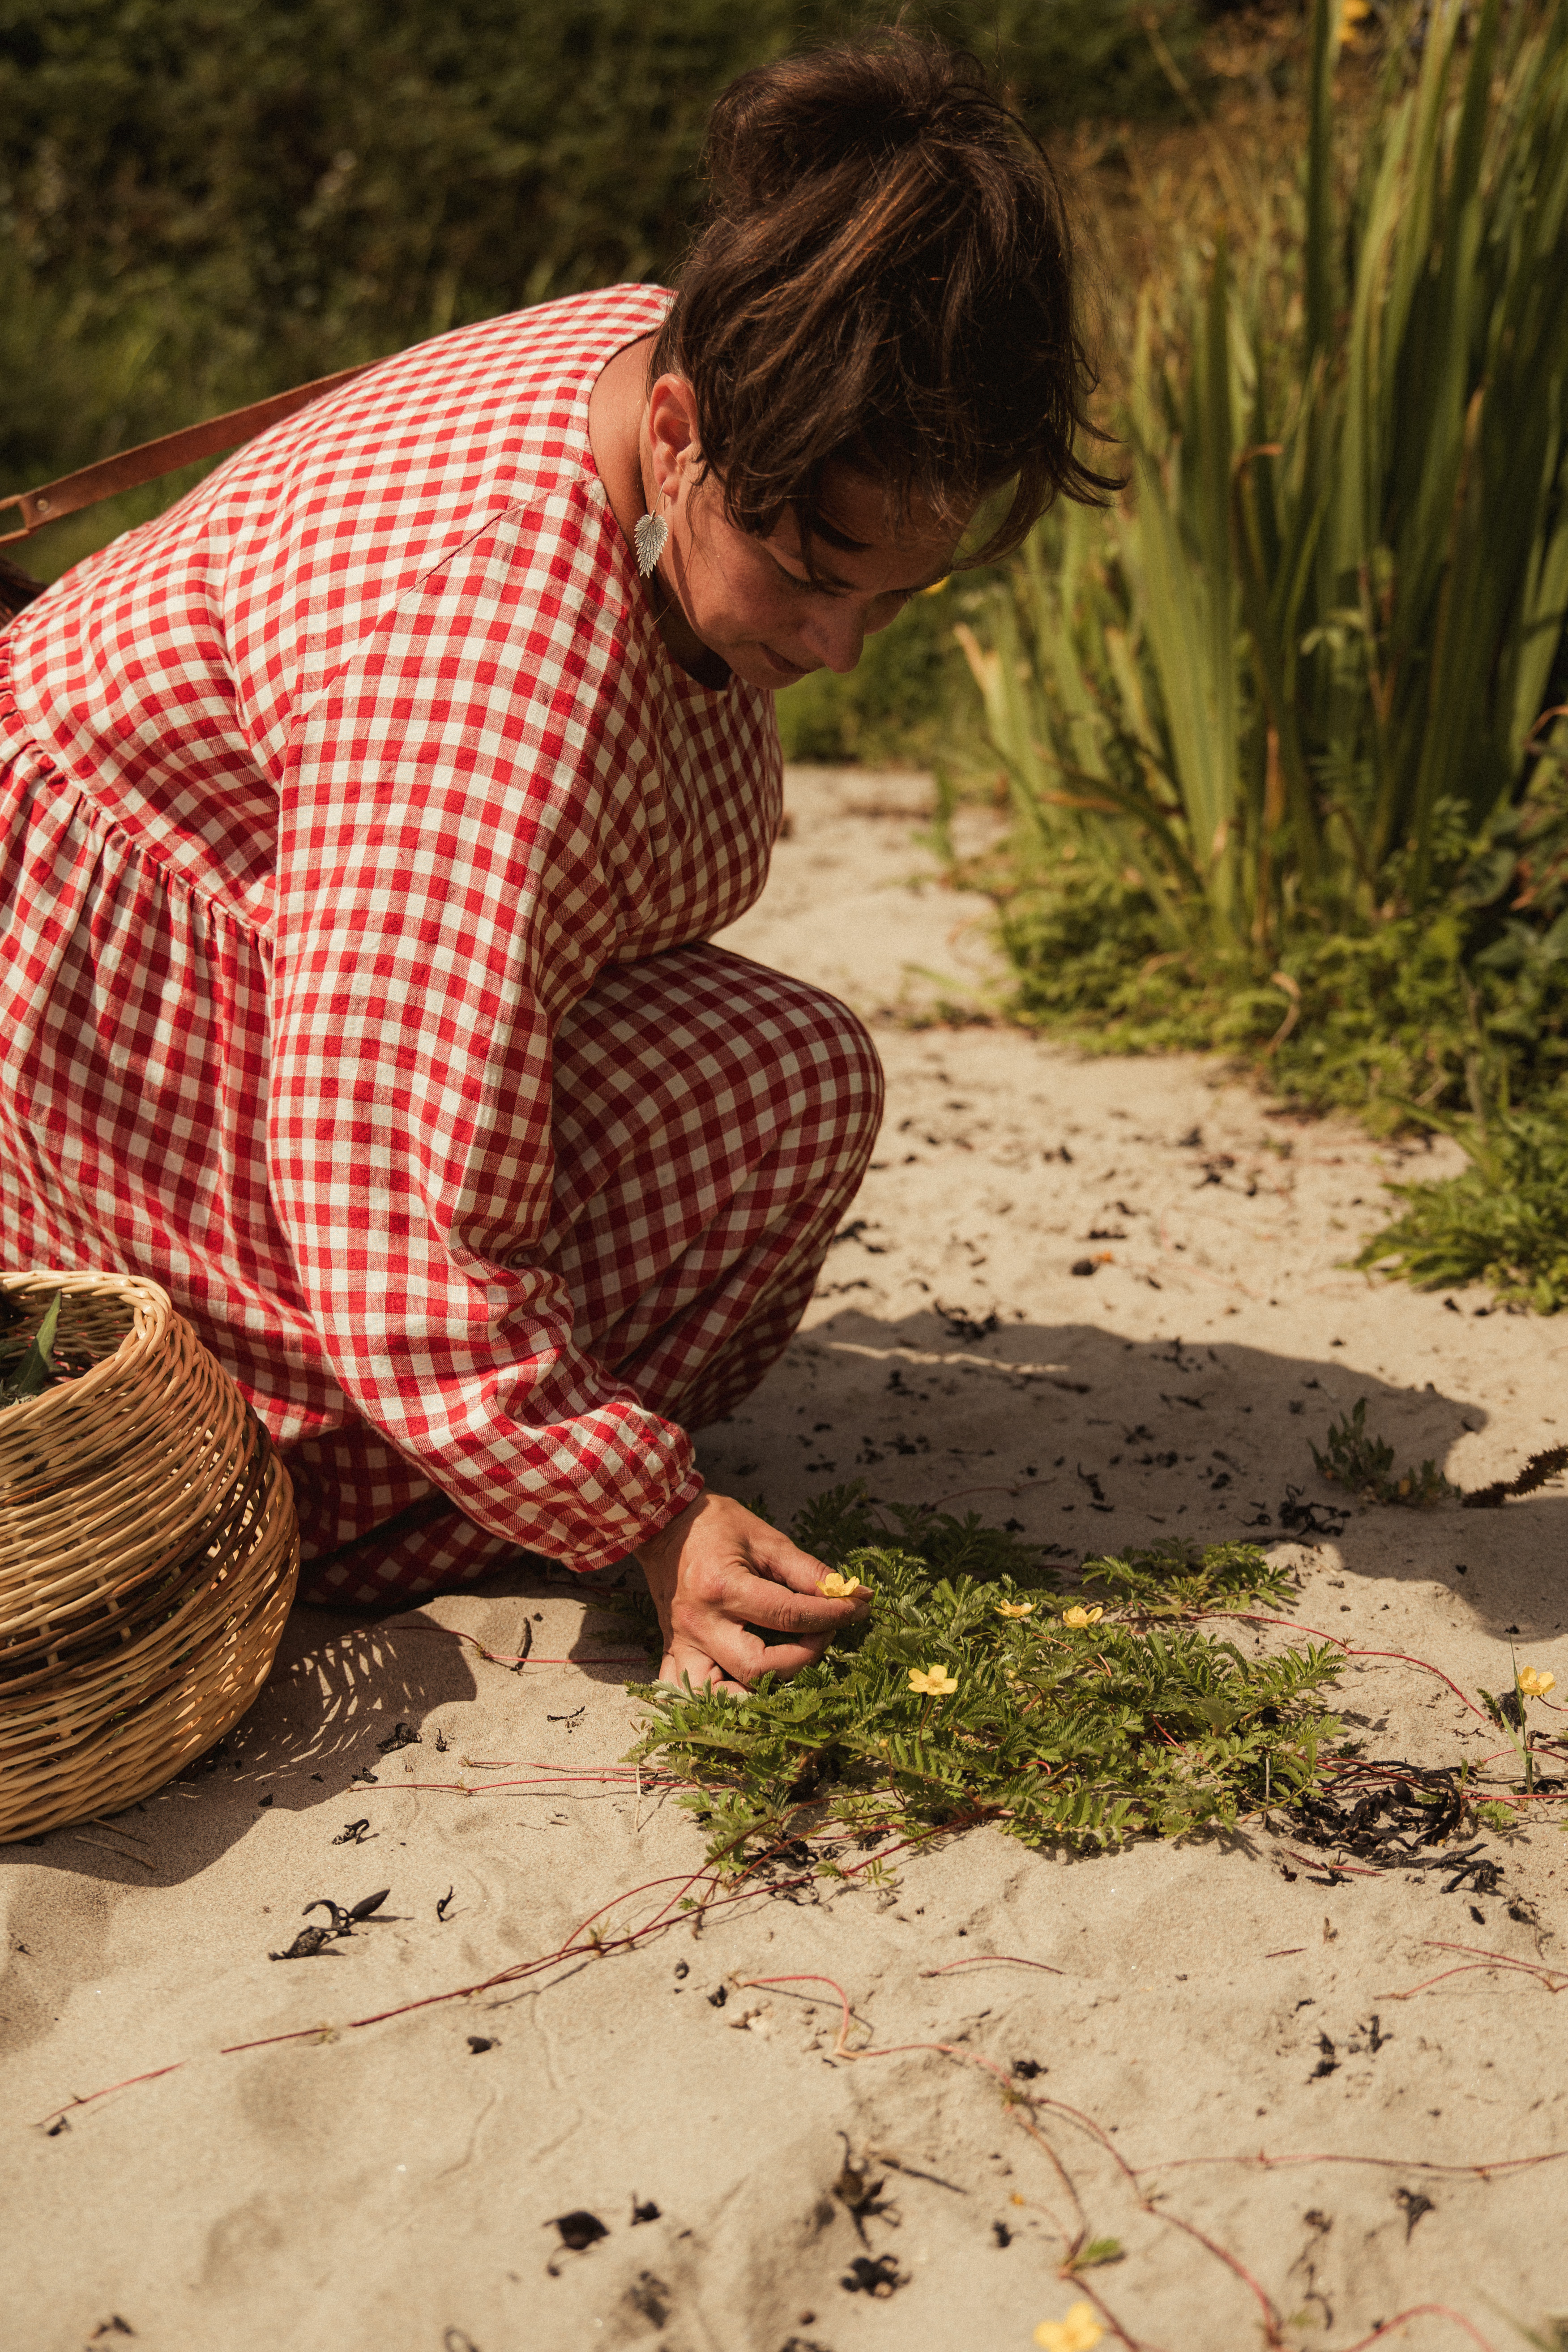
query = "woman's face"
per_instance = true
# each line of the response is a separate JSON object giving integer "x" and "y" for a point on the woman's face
{"x": 750, "y": 600}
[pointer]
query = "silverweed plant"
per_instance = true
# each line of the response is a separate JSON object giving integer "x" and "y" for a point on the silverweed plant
{"x": 978, "y": 1691}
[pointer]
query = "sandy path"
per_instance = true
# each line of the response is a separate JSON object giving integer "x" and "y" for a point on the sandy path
{"x": 389, "y": 2186}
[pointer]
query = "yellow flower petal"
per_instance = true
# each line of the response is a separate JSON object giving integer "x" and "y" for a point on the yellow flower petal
{"x": 1080, "y": 1617}
{"x": 835, "y": 1586}
{"x": 1080, "y": 2331}
{"x": 1015, "y": 1609}
{"x": 935, "y": 1682}
{"x": 1535, "y": 1682}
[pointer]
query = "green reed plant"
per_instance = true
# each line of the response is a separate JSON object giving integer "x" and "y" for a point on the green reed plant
{"x": 1268, "y": 724}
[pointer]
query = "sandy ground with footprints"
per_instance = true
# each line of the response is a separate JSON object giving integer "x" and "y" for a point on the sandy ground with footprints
{"x": 1228, "y": 2069}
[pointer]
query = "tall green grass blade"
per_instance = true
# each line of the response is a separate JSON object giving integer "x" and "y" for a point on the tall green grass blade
{"x": 1319, "y": 238}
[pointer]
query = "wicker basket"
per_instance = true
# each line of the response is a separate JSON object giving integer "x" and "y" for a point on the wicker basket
{"x": 148, "y": 1556}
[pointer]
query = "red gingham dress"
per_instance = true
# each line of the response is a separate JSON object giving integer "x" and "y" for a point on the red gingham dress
{"x": 358, "y": 842}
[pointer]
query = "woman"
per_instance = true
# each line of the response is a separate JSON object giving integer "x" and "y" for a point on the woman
{"x": 365, "y": 817}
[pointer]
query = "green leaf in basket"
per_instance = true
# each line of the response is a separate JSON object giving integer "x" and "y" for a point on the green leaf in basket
{"x": 35, "y": 1373}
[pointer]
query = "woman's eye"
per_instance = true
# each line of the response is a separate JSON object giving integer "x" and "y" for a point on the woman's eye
{"x": 897, "y": 597}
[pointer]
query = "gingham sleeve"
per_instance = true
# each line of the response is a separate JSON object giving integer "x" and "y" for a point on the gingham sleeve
{"x": 449, "y": 801}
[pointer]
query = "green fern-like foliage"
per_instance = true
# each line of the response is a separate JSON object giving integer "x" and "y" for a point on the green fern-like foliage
{"x": 1503, "y": 1222}
{"x": 1072, "y": 1722}
{"x": 844, "y": 1521}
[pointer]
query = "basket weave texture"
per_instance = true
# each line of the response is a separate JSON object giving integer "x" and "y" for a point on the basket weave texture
{"x": 148, "y": 1556}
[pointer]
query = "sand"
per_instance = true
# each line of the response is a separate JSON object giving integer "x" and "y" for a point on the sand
{"x": 395, "y": 2185}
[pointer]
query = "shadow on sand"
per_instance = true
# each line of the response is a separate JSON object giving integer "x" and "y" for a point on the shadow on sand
{"x": 1089, "y": 1443}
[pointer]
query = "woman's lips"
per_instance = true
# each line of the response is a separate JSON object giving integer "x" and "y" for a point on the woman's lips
{"x": 791, "y": 669}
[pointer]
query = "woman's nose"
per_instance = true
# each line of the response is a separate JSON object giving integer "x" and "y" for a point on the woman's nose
{"x": 838, "y": 638}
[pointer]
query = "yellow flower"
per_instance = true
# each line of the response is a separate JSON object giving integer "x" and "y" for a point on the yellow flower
{"x": 1082, "y": 1617}
{"x": 1351, "y": 14}
{"x": 841, "y": 1588}
{"x": 935, "y": 1681}
{"x": 1015, "y": 1609}
{"x": 1534, "y": 1684}
{"x": 1079, "y": 2332}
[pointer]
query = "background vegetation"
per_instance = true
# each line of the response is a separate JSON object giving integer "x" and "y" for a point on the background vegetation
{"x": 1276, "y": 726}
{"x": 1277, "y": 729}
{"x": 1284, "y": 730}
{"x": 202, "y": 201}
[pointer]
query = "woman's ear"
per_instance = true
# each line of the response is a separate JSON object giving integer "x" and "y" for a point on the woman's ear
{"x": 673, "y": 432}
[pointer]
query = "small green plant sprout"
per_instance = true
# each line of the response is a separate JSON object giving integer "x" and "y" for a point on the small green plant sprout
{"x": 1079, "y": 2331}
{"x": 968, "y": 1693}
{"x": 1508, "y": 1713}
{"x": 1364, "y": 1464}
{"x": 1090, "y": 2256}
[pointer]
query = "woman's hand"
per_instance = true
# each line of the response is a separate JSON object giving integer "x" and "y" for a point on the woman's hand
{"x": 717, "y": 1570}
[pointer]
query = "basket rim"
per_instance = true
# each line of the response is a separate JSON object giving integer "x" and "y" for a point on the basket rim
{"x": 151, "y": 1313}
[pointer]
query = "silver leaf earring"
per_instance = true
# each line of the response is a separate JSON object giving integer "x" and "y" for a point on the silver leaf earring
{"x": 650, "y": 537}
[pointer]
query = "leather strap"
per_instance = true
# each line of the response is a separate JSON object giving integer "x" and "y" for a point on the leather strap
{"x": 152, "y": 459}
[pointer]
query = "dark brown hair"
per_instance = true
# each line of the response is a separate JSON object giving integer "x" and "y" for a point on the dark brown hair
{"x": 885, "y": 280}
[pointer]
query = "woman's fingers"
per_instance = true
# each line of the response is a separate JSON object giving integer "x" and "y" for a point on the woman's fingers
{"x": 717, "y": 1570}
{"x": 726, "y": 1640}
{"x": 684, "y": 1661}
{"x": 774, "y": 1554}
{"x": 755, "y": 1601}
{"x": 745, "y": 1661}
{"x": 709, "y": 1644}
